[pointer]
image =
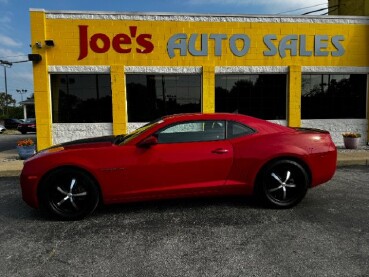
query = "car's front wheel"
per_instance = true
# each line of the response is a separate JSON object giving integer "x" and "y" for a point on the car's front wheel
{"x": 283, "y": 184}
{"x": 69, "y": 194}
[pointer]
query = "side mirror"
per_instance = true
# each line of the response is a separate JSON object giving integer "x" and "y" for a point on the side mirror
{"x": 148, "y": 142}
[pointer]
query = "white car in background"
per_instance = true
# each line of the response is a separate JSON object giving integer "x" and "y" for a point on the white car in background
{"x": 2, "y": 129}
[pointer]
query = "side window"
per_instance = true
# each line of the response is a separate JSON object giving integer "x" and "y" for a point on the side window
{"x": 235, "y": 130}
{"x": 193, "y": 131}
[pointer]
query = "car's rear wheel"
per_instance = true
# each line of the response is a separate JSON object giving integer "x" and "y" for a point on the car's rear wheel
{"x": 283, "y": 184}
{"x": 69, "y": 194}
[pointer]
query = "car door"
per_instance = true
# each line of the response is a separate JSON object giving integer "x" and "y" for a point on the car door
{"x": 189, "y": 157}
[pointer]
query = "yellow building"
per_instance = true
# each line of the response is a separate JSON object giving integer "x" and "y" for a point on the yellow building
{"x": 106, "y": 73}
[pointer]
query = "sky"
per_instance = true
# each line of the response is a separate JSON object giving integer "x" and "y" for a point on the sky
{"x": 15, "y": 24}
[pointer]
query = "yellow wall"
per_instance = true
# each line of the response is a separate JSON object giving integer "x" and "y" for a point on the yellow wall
{"x": 119, "y": 99}
{"x": 41, "y": 83}
{"x": 66, "y": 35}
{"x": 294, "y": 96}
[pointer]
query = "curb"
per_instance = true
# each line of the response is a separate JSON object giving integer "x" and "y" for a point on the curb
{"x": 10, "y": 173}
{"x": 352, "y": 162}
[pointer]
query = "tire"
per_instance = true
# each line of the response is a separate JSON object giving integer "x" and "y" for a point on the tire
{"x": 69, "y": 194}
{"x": 283, "y": 184}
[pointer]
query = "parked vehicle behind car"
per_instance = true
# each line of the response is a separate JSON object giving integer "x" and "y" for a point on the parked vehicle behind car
{"x": 2, "y": 129}
{"x": 29, "y": 125}
{"x": 12, "y": 123}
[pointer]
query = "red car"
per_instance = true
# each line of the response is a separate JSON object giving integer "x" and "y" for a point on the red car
{"x": 180, "y": 156}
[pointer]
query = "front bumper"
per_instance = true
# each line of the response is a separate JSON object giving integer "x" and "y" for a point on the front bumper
{"x": 29, "y": 184}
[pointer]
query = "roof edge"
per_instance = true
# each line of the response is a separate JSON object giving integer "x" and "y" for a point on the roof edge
{"x": 79, "y": 12}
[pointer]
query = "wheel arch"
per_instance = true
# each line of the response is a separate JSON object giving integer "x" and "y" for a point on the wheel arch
{"x": 280, "y": 158}
{"x": 65, "y": 167}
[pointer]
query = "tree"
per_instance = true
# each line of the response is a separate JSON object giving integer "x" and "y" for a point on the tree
{"x": 6, "y": 100}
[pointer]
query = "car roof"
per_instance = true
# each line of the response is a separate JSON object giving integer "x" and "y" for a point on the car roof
{"x": 253, "y": 122}
{"x": 199, "y": 116}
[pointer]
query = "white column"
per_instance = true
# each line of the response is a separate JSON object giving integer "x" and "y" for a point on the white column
{"x": 25, "y": 111}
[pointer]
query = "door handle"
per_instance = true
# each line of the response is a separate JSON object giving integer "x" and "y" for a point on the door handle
{"x": 220, "y": 151}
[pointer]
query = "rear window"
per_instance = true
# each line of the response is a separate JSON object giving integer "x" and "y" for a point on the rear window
{"x": 235, "y": 129}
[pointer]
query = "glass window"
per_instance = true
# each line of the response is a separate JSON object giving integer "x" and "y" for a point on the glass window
{"x": 81, "y": 98}
{"x": 193, "y": 131}
{"x": 327, "y": 96}
{"x": 262, "y": 96}
{"x": 235, "y": 130}
{"x": 153, "y": 96}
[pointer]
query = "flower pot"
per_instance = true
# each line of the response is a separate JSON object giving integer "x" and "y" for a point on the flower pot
{"x": 351, "y": 143}
{"x": 26, "y": 152}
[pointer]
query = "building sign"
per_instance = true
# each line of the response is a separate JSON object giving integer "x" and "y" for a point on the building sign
{"x": 121, "y": 43}
{"x": 184, "y": 44}
{"x": 295, "y": 44}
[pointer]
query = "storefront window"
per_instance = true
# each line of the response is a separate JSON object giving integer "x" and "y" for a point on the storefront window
{"x": 153, "y": 96}
{"x": 262, "y": 96}
{"x": 328, "y": 96}
{"x": 81, "y": 98}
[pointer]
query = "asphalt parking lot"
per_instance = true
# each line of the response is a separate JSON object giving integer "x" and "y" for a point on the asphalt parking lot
{"x": 326, "y": 235}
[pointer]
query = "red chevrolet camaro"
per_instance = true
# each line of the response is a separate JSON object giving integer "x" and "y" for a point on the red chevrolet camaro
{"x": 176, "y": 156}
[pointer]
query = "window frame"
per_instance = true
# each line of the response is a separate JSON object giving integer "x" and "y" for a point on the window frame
{"x": 204, "y": 121}
{"x": 101, "y": 115}
{"x": 340, "y": 100}
{"x": 252, "y": 93}
{"x": 160, "y": 105}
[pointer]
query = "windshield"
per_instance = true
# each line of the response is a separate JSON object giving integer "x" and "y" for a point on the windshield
{"x": 30, "y": 120}
{"x": 124, "y": 139}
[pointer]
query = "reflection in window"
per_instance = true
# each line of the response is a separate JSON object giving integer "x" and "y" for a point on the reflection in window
{"x": 152, "y": 96}
{"x": 193, "y": 131}
{"x": 81, "y": 98}
{"x": 262, "y": 96}
{"x": 327, "y": 96}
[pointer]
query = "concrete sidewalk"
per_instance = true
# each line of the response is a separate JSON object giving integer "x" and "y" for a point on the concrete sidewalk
{"x": 347, "y": 157}
{"x": 10, "y": 165}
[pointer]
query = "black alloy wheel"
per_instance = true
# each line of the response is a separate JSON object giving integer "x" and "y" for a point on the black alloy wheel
{"x": 69, "y": 194}
{"x": 284, "y": 184}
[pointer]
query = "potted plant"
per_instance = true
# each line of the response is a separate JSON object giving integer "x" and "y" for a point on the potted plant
{"x": 26, "y": 148}
{"x": 351, "y": 140}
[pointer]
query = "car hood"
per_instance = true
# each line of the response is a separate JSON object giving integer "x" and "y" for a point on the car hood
{"x": 87, "y": 143}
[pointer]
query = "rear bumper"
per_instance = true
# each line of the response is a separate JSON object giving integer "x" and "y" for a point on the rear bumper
{"x": 323, "y": 166}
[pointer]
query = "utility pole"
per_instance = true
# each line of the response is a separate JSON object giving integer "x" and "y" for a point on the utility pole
{"x": 6, "y": 64}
